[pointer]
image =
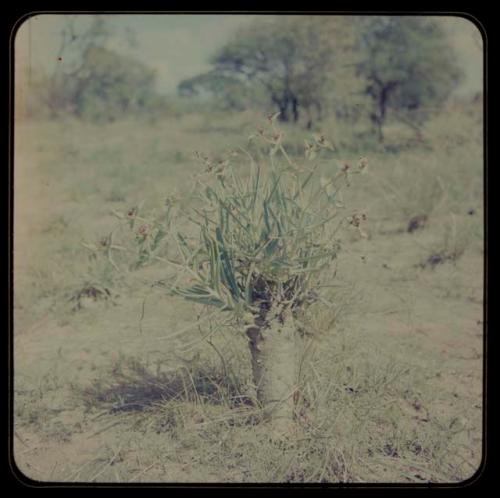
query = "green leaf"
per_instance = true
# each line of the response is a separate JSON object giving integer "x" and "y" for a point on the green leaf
{"x": 206, "y": 299}
{"x": 269, "y": 250}
{"x": 160, "y": 234}
{"x": 227, "y": 267}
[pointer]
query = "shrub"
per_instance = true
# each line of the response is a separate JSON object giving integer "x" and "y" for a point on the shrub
{"x": 105, "y": 86}
{"x": 255, "y": 242}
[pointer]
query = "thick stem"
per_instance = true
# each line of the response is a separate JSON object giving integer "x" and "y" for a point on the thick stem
{"x": 274, "y": 366}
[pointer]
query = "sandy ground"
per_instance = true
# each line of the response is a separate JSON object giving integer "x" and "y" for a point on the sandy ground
{"x": 432, "y": 316}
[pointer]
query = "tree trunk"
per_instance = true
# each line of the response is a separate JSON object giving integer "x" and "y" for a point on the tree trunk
{"x": 274, "y": 366}
{"x": 380, "y": 131}
{"x": 295, "y": 109}
{"x": 283, "y": 106}
{"x": 282, "y": 103}
{"x": 382, "y": 107}
{"x": 379, "y": 116}
{"x": 378, "y": 126}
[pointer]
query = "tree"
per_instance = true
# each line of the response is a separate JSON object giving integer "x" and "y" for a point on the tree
{"x": 291, "y": 58}
{"x": 75, "y": 42}
{"x": 406, "y": 63}
{"x": 94, "y": 82}
{"x": 108, "y": 86}
{"x": 229, "y": 92}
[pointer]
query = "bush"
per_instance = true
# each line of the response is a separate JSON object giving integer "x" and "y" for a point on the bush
{"x": 255, "y": 242}
{"x": 105, "y": 87}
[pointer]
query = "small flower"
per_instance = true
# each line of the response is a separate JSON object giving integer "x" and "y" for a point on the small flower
{"x": 205, "y": 160}
{"x": 355, "y": 220}
{"x": 309, "y": 150}
{"x": 323, "y": 142}
{"x": 362, "y": 164}
{"x": 320, "y": 139}
{"x": 171, "y": 200}
{"x": 104, "y": 242}
{"x": 143, "y": 230}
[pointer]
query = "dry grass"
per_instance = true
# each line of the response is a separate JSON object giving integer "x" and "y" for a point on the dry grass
{"x": 393, "y": 383}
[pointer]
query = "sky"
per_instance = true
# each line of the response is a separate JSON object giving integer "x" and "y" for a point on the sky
{"x": 176, "y": 46}
{"x": 179, "y": 46}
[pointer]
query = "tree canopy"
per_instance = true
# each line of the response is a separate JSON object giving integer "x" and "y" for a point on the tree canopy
{"x": 229, "y": 92}
{"x": 406, "y": 64}
{"x": 290, "y": 58}
{"x": 312, "y": 65}
{"x": 94, "y": 82}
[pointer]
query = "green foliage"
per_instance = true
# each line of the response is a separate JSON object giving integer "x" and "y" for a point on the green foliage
{"x": 357, "y": 67}
{"x": 406, "y": 63}
{"x": 228, "y": 92}
{"x": 105, "y": 87}
{"x": 95, "y": 83}
{"x": 290, "y": 59}
{"x": 263, "y": 230}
